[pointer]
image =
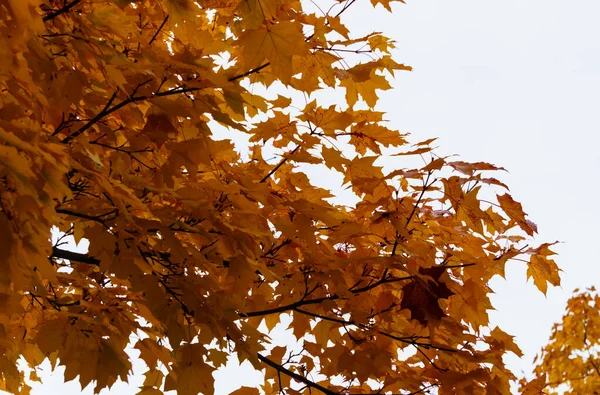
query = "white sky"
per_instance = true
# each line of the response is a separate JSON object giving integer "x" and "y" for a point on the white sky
{"x": 515, "y": 83}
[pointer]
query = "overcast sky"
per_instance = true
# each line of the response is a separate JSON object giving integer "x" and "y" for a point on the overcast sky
{"x": 515, "y": 83}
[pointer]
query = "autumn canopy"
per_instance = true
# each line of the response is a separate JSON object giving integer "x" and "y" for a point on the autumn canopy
{"x": 112, "y": 117}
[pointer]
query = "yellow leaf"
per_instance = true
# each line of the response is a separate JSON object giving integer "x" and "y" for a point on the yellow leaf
{"x": 334, "y": 159}
{"x": 26, "y": 14}
{"x": 367, "y": 89}
{"x": 504, "y": 341}
{"x": 336, "y": 24}
{"x": 145, "y": 390}
{"x": 281, "y": 101}
{"x": 535, "y": 386}
{"x": 543, "y": 271}
{"x": 111, "y": 18}
{"x": 371, "y": 135}
{"x": 245, "y": 391}
{"x": 385, "y": 3}
{"x": 276, "y": 44}
{"x": 327, "y": 119}
{"x": 314, "y": 68}
{"x": 255, "y": 12}
{"x": 181, "y": 11}
{"x": 195, "y": 377}
{"x": 514, "y": 210}
{"x": 154, "y": 378}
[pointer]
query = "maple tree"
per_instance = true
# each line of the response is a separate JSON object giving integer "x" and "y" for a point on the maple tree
{"x": 108, "y": 124}
{"x": 569, "y": 363}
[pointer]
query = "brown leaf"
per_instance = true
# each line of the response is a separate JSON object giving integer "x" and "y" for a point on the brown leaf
{"x": 421, "y": 297}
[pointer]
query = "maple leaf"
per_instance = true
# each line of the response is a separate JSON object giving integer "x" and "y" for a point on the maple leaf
{"x": 246, "y": 391}
{"x": 334, "y": 159}
{"x": 276, "y": 44}
{"x": 385, "y": 3}
{"x": 515, "y": 212}
{"x": 329, "y": 120}
{"x": 371, "y": 135}
{"x": 366, "y": 87}
{"x": 421, "y": 297}
{"x": 255, "y": 12}
{"x": 503, "y": 341}
{"x": 535, "y": 387}
{"x": 543, "y": 271}
{"x": 314, "y": 69}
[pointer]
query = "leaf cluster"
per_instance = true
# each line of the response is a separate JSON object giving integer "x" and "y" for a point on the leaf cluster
{"x": 569, "y": 363}
{"x": 109, "y": 117}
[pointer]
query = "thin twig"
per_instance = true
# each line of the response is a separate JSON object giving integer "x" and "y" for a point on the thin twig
{"x": 158, "y": 31}
{"x": 281, "y": 162}
{"x": 247, "y": 73}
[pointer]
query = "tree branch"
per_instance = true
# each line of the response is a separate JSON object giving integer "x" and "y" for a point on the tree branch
{"x": 586, "y": 342}
{"x": 60, "y": 11}
{"x": 407, "y": 339}
{"x": 303, "y": 302}
{"x": 281, "y": 162}
{"x": 158, "y": 31}
{"x": 425, "y": 186}
{"x": 291, "y": 306}
{"x": 594, "y": 366}
{"x": 247, "y": 73}
{"x": 96, "y": 218}
{"x": 74, "y": 256}
{"x": 414, "y": 210}
{"x": 296, "y": 376}
{"x": 107, "y": 110}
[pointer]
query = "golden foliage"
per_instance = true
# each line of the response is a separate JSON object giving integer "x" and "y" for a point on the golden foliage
{"x": 108, "y": 120}
{"x": 569, "y": 363}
